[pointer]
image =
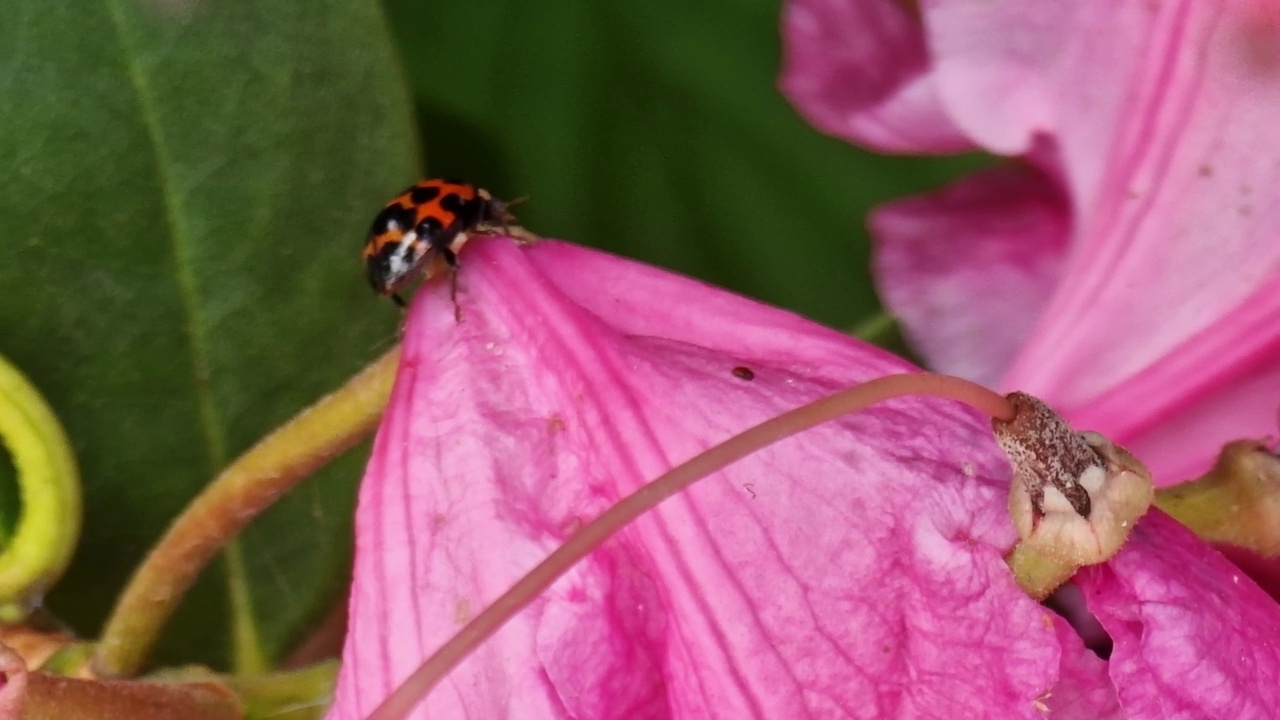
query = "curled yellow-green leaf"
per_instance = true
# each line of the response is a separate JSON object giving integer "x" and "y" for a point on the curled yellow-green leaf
{"x": 49, "y": 490}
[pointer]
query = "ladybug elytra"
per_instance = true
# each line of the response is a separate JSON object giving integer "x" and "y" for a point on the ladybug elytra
{"x": 429, "y": 220}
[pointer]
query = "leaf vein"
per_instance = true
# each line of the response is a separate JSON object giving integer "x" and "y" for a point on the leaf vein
{"x": 181, "y": 244}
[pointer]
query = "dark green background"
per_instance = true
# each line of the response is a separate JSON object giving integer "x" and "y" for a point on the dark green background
{"x": 189, "y": 183}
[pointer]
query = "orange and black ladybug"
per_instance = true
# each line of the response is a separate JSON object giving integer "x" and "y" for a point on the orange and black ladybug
{"x": 431, "y": 219}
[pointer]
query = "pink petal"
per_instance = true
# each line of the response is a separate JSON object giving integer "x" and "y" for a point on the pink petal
{"x": 968, "y": 270}
{"x": 859, "y": 70}
{"x": 1194, "y": 637}
{"x": 1159, "y": 120}
{"x": 1265, "y": 571}
{"x": 1221, "y": 396}
{"x": 1182, "y": 205}
{"x": 1084, "y": 690}
{"x": 853, "y": 571}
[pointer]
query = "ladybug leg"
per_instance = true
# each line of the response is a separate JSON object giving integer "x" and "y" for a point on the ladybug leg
{"x": 399, "y": 301}
{"x": 453, "y": 294}
{"x": 451, "y": 259}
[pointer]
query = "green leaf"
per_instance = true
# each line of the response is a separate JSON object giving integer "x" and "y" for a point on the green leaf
{"x": 189, "y": 184}
{"x": 654, "y": 128}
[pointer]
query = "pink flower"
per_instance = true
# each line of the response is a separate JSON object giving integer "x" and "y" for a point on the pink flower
{"x": 852, "y": 571}
{"x": 1127, "y": 267}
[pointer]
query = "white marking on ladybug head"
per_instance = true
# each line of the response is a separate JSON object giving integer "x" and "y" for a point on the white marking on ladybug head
{"x": 405, "y": 258}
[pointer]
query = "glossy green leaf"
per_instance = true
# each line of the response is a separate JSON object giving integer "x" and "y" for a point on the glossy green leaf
{"x": 188, "y": 186}
{"x": 654, "y": 128}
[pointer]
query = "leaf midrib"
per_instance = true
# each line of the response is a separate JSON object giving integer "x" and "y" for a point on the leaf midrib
{"x": 244, "y": 626}
{"x": 180, "y": 244}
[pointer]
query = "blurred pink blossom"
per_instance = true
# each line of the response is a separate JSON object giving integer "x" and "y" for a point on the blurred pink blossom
{"x": 853, "y": 571}
{"x": 1125, "y": 266}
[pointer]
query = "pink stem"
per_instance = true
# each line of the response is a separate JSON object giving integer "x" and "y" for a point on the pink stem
{"x": 589, "y": 537}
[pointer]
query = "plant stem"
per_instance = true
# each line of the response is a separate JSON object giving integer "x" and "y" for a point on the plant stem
{"x": 875, "y": 329}
{"x": 483, "y": 626}
{"x": 248, "y": 486}
{"x": 49, "y": 486}
{"x": 55, "y": 697}
{"x": 295, "y": 695}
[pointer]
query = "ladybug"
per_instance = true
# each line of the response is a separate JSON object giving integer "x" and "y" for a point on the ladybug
{"x": 429, "y": 220}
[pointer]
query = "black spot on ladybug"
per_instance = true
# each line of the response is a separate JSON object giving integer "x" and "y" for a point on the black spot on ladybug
{"x": 474, "y": 211}
{"x": 744, "y": 373}
{"x": 392, "y": 217}
{"x": 423, "y": 194}
{"x": 429, "y": 229}
{"x": 454, "y": 203}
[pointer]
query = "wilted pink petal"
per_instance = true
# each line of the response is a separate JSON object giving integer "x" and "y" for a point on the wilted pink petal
{"x": 991, "y": 246}
{"x": 859, "y": 70}
{"x": 1184, "y": 622}
{"x": 1158, "y": 120}
{"x": 852, "y": 571}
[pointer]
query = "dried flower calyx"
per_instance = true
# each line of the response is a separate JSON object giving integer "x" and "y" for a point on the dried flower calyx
{"x": 1046, "y": 452}
{"x": 1075, "y": 495}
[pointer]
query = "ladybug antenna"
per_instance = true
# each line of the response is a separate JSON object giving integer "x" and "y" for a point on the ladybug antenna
{"x": 399, "y": 301}
{"x": 504, "y": 209}
{"x": 502, "y": 217}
